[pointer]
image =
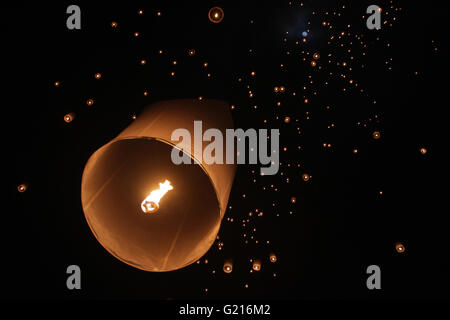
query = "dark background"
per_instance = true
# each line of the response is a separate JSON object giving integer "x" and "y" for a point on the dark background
{"x": 339, "y": 225}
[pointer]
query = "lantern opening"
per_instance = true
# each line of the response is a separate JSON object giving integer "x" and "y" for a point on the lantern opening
{"x": 120, "y": 176}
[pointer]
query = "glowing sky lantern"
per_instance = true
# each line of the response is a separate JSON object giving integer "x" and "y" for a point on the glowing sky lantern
{"x": 143, "y": 208}
{"x": 273, "y": 257}
{"x": 228, "y": 266}
{"x": 215, "y": 14}
{"x": 256, "y": 265}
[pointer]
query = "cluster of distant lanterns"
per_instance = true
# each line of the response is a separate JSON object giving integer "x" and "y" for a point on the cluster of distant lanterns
{"x": 215, "y": 15}
{"x": 279, "y": 89}
{"x": 256, "y": 264}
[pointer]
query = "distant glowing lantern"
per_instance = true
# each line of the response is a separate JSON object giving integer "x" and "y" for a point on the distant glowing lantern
{"x": 228, "y": 266}
{"x": 147, "y": 211}
{"x": 423, "y": 150}
{"x": 90, "y": 102}
{"x": 376, "y": 135}
{"x": 399, "y": 247}
{"x": 305, "y": 177}
{"x": 215, "y": 14}
{"x": 316, "y": 56}
{"x": 273, "y": 257}
{"x": 313, "y": 63}
{"x": 293, "y": 199}
{"x": 22, "y": 187}
{"x": 69, "y": 117}
{"x": 257, "y": 265}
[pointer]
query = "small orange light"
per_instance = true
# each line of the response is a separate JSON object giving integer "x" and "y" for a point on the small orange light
{"x": 69, "y": 117}
{"x": 257, "y": 265}
{"x": 228, "y": 266}
{"x": 399, "y": 247}
{"x": 273, "y": 257}
{"x": 215, "y": 14}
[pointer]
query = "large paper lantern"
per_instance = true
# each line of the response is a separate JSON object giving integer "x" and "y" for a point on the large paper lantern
{"x": 147, "y": 211}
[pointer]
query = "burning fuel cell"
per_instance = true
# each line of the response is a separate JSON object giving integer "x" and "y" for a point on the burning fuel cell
{"x": 147, "y": 211}
{"x": 151, "y": 203}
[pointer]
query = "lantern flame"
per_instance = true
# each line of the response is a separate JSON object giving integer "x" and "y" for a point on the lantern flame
{"x": 151, "y": 202}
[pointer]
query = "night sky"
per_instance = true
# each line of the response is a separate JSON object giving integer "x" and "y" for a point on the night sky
{"x": 363, "y": 119}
